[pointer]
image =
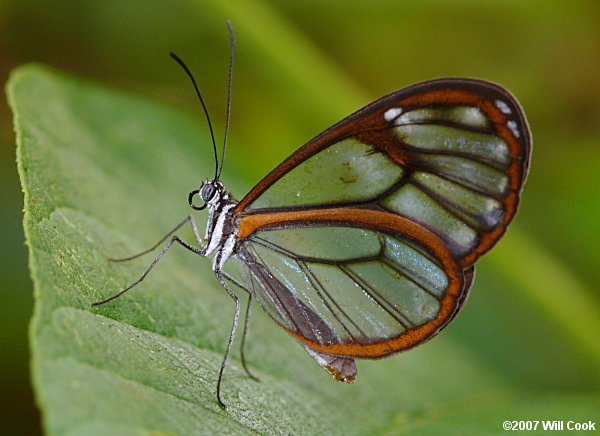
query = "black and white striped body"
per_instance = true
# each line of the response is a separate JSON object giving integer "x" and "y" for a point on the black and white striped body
{"x": 221, "y": 227}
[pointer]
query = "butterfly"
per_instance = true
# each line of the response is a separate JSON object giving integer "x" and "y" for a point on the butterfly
{"x": 362, "y": 243}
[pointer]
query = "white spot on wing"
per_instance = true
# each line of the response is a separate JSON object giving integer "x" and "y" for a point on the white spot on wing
{"x": 473, "y": 116}
{"x": 392, "y": 113}
{"x": 512, "y": 125}
{"x": 503, "y": 107}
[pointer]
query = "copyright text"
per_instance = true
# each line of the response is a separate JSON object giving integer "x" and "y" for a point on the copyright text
{"x": 547, "y": 425}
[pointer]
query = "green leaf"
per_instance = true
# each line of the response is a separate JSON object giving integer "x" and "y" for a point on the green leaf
{"x": 106, "y": 175}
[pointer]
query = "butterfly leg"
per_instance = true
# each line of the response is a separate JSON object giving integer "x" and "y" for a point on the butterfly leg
{"x": 235, "y": 298}
{"x": 189, "y": 218}
{"x": 246, "y": 322}
{"x": 174, "y": 239}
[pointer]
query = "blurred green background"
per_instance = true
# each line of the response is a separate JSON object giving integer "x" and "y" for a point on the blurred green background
{"x": 523, "y": 323}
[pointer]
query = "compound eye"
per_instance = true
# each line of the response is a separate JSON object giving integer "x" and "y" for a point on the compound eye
{"x": 208, "y": 192}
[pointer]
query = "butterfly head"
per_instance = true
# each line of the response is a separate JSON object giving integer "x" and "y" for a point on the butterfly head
{"x": 210, "y": 193}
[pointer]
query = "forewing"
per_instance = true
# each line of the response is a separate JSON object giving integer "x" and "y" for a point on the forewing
{"x": 449, "y": 154}
{"x": 349, "y": 291}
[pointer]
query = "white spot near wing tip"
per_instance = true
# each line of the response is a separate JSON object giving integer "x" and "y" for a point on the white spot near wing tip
{"x": 392, "y": 113}
{"x": 503, "y": 107}
{"x": 512, "y": 125}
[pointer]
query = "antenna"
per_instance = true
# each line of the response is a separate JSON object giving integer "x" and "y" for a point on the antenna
{"x": 212, "y": 135}
{"x": 231, "y": 50}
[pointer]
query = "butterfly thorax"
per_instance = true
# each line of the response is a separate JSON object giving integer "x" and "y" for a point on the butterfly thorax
{"x": 221, "y": 226}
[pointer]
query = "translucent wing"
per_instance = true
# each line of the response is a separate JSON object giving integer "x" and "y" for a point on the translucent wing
{"x": 347, "y": 287}
{"x": 362, "y": 242}
{"x": 448, "y": 154}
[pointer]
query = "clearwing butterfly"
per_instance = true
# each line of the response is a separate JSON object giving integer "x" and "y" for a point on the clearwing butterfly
{"x": 362, "y": 243}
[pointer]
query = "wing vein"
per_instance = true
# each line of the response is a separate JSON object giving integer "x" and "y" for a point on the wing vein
{"x": 444, "y": 203}
{"x": 408, "y": 274}
{"x": 272, "y": 294}
{"x": 369, "y": 290}
{"x": 333, "y": 301}
{"x": 285, "y": 252}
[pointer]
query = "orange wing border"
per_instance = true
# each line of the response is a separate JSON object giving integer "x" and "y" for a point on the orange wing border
{"x": 391, "y": 224}
{"x": 368, "y": 125}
